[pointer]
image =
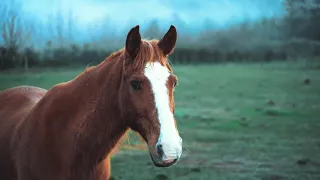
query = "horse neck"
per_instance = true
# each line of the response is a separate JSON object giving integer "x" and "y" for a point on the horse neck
{"x": 97, "y": 117}
{"x": 103, "y": 94}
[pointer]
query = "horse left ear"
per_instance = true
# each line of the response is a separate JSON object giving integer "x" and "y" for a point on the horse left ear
{"x": 133, "y": 42}
{"x": 168, "y": 42}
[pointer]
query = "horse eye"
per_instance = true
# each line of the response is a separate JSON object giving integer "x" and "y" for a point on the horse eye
{"x": 136, "y": 85}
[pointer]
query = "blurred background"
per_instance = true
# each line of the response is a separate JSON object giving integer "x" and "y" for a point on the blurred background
{"x": 248, "y": 99}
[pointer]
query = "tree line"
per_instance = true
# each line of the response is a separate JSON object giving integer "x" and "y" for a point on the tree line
{"x": 295, "y": 35}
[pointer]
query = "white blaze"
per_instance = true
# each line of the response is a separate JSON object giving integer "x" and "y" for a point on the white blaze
{"x": 169, "y": 138}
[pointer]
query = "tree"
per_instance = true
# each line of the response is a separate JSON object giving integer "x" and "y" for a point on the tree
{"x": 153, "y": 30}
{"x": 303, "y": 19}
{"x": 15, "y": 33}
{"x": 62, "y": 28}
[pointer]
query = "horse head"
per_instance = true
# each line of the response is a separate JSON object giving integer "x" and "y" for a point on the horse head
{"x": 147, "y": 95}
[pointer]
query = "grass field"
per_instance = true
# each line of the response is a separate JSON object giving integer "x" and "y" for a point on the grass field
{"x": 238, "y": 121}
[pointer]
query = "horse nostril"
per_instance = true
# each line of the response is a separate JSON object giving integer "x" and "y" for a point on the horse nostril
{"x": 160, "y": 150}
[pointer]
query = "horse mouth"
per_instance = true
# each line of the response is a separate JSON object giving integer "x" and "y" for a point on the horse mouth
{"x": 164, "y": 163}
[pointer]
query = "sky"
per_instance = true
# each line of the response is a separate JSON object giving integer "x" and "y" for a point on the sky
{"x": 128, "y": 12}
{"x": 90, "y": 18}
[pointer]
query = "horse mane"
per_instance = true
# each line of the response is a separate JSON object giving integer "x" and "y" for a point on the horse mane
{"x": 149, "y": 52}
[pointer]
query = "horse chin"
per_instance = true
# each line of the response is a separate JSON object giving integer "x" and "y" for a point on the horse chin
{"x": 162, "y": 164}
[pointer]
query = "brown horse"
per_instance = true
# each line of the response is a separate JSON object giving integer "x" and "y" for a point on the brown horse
{"x": 69, "y": 131}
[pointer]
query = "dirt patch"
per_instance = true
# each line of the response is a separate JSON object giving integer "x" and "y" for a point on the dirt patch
{"x": 227, "y": 163}
{"x": 161, "y": 177}
{"x": 205, "y": 163}
{"x": 307, "y": 161}
{"x": 307, "y": 81}
{"x": 272, "y": 177}
{"x": 271, "y": 103}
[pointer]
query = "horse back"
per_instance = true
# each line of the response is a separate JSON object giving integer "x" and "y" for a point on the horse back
{"x": 15, "y": 104}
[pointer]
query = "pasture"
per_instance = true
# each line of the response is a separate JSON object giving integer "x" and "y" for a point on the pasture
{"x": 237, "y": 121}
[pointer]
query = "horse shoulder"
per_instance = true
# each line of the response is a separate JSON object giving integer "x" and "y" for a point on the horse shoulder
{"x": 15, "y": 104}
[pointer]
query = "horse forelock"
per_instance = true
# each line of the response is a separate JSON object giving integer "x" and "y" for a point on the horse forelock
{"x": 149, "y": 53}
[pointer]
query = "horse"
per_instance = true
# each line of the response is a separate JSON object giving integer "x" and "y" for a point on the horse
{"x": 69, "y": 131}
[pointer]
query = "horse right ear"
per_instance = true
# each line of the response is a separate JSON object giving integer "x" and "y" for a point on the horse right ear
{"x": 133, "y": 43}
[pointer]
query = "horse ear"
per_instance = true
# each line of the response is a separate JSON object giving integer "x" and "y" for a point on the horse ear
{"x": 133, "y": 42}
{"x": 168, "y": 42}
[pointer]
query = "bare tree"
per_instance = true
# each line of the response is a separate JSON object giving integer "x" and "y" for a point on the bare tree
{"x": 62, "y": 27}
{"x": 153, "y": 30}
{"x": 303, "y": 18}
{"x": 15, "y": 31}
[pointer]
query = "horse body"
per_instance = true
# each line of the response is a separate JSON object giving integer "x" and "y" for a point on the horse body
{"x": 36, "y": 115}
{"x": 69, "y": 131}
{"x": 72, "y": 152}
{"x": 14, "y": 107}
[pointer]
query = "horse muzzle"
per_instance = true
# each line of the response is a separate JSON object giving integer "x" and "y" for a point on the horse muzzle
{"x": 167, "y": 153}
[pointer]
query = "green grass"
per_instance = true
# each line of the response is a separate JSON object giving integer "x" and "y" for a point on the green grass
{"x": 229, "y": 129}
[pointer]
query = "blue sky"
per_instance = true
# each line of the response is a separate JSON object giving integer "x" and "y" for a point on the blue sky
{"x": 93, "y": 19}
{"x": 128, "y": 12}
